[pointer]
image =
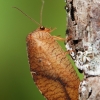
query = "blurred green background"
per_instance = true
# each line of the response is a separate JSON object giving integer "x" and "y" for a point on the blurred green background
{"x": 15, "y": 79}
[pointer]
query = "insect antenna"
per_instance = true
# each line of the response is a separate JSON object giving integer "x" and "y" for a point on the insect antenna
{"x": 27, "y": 16}
{"x": 41, "y": 12}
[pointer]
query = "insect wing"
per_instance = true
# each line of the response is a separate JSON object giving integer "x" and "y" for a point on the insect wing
{"x": 51, "y": 70}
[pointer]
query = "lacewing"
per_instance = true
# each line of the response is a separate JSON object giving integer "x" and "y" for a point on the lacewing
{"x": 52, "y": 72}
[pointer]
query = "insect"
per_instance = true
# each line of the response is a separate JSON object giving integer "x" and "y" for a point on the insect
{"x": 52, "y": 72}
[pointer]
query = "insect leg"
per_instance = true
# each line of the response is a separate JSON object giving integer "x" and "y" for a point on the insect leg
{"x": 58, "y": 38}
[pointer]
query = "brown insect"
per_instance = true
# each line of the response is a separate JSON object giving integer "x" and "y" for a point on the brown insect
{"x": 52, "y": 72}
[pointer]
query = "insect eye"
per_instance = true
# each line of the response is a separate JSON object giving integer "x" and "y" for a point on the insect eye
{"x": 42, "y": 27}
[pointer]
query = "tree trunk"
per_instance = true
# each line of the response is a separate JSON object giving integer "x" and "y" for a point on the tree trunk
{"x": 83, "y": 33}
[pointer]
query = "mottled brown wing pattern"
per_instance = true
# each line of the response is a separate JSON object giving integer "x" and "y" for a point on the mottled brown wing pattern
{"x": 51, "y": 70}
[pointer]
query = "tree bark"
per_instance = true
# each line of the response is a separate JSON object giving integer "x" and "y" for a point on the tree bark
{"x": 83, "y": 40}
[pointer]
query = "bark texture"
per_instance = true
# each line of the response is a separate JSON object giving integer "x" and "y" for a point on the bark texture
{"x": 83, "y": 33}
